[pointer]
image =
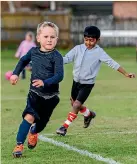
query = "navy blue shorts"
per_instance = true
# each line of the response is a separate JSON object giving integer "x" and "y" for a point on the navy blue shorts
{"x": 39, "y": 107}
{"x": 81, "y": 92}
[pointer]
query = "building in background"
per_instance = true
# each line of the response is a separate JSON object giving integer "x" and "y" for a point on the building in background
{"x": 118, "y": 9}
{"x": 80, "y": 8}
{"x": 125, "y": 10}
{"x": 71, "y": 17}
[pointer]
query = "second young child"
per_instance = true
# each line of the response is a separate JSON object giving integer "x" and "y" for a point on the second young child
{"x": 87, "y": 60}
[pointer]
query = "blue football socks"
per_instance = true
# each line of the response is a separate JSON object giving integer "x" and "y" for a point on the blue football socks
{"x": 23, "y": 132}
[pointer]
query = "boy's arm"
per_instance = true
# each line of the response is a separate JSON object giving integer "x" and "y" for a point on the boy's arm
{"x": 130, "y": 75}
{"x": 113, "y": 64}
{"x": 22, "y": 63}
{"x": 69, "y": 57}
{"x": 104, "y": 57}
{"x": 58, "y": 71}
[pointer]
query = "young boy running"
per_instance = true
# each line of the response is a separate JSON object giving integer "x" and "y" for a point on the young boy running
{"x": 87, "y": 60}
{"x": 47, "y": 72}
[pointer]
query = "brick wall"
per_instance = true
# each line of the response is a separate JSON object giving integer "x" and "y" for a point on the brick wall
{"x": 125, "y": 10}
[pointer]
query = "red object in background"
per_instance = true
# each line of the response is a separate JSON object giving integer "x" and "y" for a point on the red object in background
{"x": 8, "y": 75}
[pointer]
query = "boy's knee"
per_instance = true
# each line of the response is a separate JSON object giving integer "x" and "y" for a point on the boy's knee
{"x": 29, "y": 118}
{"x": 77, "y": 105}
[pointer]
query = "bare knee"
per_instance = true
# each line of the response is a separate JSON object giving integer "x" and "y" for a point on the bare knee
{"x": 77, "y": 105}
{"x": 29, "y": 118}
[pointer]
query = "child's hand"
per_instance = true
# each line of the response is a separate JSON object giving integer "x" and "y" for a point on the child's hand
{"x": 37, "y": 83}
{"x": 16, "y": 56}
{"x": 14, "y": 79}
{"x": 130, "y": 75}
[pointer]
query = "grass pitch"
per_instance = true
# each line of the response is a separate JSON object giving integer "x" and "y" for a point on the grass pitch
{"x": 114, "y": 130}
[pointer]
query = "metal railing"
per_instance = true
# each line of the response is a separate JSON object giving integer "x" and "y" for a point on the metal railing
{"x": 105, "y": 24}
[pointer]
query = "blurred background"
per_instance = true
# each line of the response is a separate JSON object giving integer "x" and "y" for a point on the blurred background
{"x": 117, "y": 20}
{"x": 114, "y": 98}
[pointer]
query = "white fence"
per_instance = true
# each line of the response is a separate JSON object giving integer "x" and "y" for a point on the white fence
{"x": 113, "y": 32}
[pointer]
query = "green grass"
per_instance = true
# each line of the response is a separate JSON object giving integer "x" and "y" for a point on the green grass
{"x": 114, "y": 98}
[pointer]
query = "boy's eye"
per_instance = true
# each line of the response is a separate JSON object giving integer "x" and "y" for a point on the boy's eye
{"x": 91, "y": 40}
{"x": 52, "y": 37}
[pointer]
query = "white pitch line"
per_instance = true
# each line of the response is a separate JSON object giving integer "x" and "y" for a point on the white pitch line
{"x": 80, "y": 151}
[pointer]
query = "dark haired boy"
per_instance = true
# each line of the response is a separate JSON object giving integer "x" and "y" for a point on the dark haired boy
{"x": 87, "y": 60}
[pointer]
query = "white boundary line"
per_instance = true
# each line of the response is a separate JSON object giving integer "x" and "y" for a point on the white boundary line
{"x": 80, "y": 151}
{"x": 72, "y": 148}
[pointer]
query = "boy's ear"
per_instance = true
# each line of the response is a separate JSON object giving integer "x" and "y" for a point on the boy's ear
{"x": 37, "y": 38}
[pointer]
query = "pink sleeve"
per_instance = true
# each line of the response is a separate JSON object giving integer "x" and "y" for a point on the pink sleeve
{"x": 18, "y": 53}
{"x": 34, "y": 45}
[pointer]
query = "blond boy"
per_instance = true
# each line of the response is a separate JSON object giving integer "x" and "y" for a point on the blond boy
{"x": 47, "y": 72}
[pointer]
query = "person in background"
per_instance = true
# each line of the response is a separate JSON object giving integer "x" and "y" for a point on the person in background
{"x": 23, "y": 48}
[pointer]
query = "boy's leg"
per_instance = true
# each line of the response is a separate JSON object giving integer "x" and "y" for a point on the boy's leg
{"x": 23, "y": 74}
{"x": 45, "y": 112}
{"x": 88, "y": 116}
{"x": 24, "y": 128}
{"x": 84, "y": 91}
{"x": 22, "y": 134}
{"x": 71, "y": 117}
{"x": 75, "y": 109}
{"x": 28, "y": 119}
{"x": 76, "y": 105}
{"x": 84, "y": 110}
{"x": 83, "y": 95}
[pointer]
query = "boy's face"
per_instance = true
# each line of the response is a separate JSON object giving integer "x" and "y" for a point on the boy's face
{"x": 90, "y": 42}
{"x": 47, "y": 38}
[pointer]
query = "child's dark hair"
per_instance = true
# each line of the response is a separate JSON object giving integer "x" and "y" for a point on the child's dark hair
{"x": 92, "y": 31}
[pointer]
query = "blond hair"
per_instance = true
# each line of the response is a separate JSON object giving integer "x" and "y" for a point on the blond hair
{"x": 49, "y": 24}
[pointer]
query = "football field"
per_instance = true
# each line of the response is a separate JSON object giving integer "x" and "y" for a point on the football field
{"x": 112, "y": 137}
